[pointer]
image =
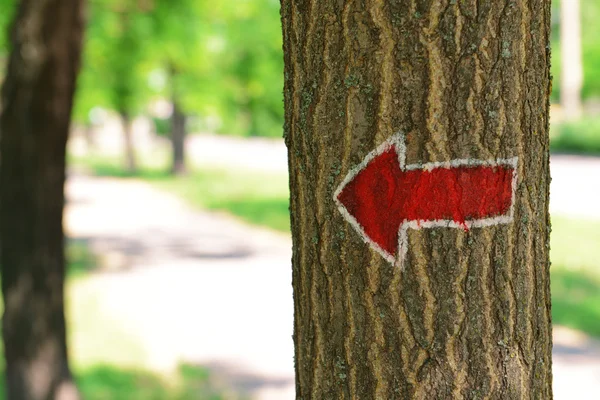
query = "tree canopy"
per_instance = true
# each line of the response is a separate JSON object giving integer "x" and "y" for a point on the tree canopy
{"x": 222, "y": 60}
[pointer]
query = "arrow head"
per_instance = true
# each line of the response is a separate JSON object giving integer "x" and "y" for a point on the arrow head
{"x": 370, "y": 201}
{"x": 382, "y": 198}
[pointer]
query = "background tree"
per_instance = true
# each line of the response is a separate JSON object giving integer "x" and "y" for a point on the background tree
{"x": 37, "y": 96}
{"x": 572, "y": 63}
{"x": 468, "y": 315}
{"x": 116, "y": 65}
{"x": 589, "y": 13}
{"x": 181, "y": 35}
{"x": 252, "y": 63}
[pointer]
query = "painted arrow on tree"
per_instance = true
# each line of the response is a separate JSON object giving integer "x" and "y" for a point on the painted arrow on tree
{"x": 382, "y": 197}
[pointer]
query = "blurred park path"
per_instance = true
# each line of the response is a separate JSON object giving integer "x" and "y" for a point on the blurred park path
{"x": 202, "y": 287}
{"x": 575, "y": 185}
{"x": 190, "y": 286}
{"x": 576, "y": 365}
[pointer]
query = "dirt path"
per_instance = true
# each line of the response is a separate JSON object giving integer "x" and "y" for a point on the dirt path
{"x": 574, "y": 190}
{"x": 191, "y": 286}
{"x": 204, "y": 288}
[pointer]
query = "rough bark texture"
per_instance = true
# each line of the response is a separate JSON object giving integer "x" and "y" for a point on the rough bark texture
{"x": 37, "y": 96}
{"x": 178, "y": 121}
{"x": 469, "y": 315}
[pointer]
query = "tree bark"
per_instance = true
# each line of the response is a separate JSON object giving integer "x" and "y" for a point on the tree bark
{"x": 37, "y": 96}
{"x": 127, "y": 125}
{"x": 468, "y": 314}
{"x": 571, "y": 59}
{"x": 178, "y": 133}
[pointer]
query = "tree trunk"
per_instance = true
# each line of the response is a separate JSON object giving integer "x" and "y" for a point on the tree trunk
{"x": 37, "y": 96}
{"x": 178, "y": 122}
{"x": 571, "y": 60}
{"x": 465, "y": 312}
{"x": 127, "y": 125}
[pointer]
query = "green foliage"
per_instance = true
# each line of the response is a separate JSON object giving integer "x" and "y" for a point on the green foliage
{"x": 162, "y": 126}
{"x": 7, "y": 10}
{"x": 220, "y": 61}
{"x": 581, "y": 136}
{"x": 254, "y": 65}
{"x": 116, "y": 59}
{"x": 183, "y": 57}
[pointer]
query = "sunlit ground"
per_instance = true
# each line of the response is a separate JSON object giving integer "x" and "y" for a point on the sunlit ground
{"x": 108, "y": 362}
{"x": 262, "y": 198}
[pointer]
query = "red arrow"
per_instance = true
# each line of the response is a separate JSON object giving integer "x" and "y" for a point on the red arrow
{"x": 382, "y": 197}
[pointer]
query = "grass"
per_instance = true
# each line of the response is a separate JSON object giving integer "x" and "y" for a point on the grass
{"x": 581, "y": 137}
{"x": 260, "y": 199}
{"x": 80, "y": 258}
{"x": 257, "y": 198}
{"x": 108, "y": 362}
{"x": 575, "y": 280}
{"x": 94, "y": 337}
{"x": 263, "y": 200}
{"x": 108, "y": 382}
{"x": 104, "y": 382}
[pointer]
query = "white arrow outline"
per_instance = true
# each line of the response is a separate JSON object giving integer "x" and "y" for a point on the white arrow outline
{"x": 397, "y": 141}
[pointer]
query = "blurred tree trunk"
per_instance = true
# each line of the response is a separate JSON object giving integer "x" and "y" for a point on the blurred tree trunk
{"x": 571, "y": 60}
{"x": 468, "y": 315}
{"x": 178, "y": 133}
{"x": 178, "y": 126}
{"x": 127, "y": 126}
{"x": 37, "y": 96}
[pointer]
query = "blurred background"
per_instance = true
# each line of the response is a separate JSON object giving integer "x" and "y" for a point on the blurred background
{"x": 179, "y": 281}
